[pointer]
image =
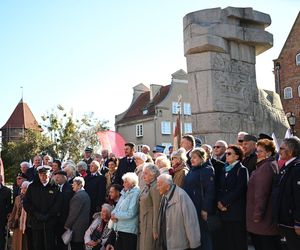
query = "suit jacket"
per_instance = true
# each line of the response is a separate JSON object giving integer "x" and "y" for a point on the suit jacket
{"x": 78, "y": 218}
{"x": 96, "y": 189}
{"x": 250, "y": 162}
{"x": 67, "y": 194}
{"x": 288, "y": 205}
{"x": 218, "y": 167}
{"x": 5, "y": 204}
{"x": 124, "y": 167}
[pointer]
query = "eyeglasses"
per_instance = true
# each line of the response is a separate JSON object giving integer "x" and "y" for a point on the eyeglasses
{"x": 281, "y": 148}
{"x": 216, "y": 146}
{"x": 240, "y": 141}
{"x": 228, "y": 153}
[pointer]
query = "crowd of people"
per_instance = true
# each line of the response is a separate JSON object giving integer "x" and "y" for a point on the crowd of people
{"x": 197, "y": 197}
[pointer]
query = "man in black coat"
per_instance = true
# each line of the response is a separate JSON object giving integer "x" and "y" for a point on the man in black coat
{"x": 42, "y": 202}
{"x": 95, "y": 186}
{"x": 188, "y": 143}
{"x": 126, "y": 164}
{"x": 287, "y": 204}
{"x": 5, "y": 209}
{"x": 67, "y": 193}
{"x": 87, "y": 157}
{"x": 32, "y": 172}
{"x": 249, "y": 150}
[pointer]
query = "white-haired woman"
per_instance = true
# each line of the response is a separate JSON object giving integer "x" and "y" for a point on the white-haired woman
{"x": 79, "y": 214}
{"x": 70, "y": 168}
{"x": 82, "y": 168}
{"x": 149, "y": 209}
{"x": 164, "y": 164}
{"x": 17, "y": 221}
{"x": 140, "y": 161}
{"x": 125, "y": 214}
{"x": 98, "y": 232}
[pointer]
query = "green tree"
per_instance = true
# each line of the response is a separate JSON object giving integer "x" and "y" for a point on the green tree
{"x": 71, "y": 135}
{"x": 33, "y": 143}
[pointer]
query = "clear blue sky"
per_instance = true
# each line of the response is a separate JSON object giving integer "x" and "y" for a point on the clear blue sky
{"x": 87, "y": 55}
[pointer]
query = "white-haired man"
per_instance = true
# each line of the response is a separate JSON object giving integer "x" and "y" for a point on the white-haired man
{"x": 184, "y": 231}
{"x": 219, "y": 150}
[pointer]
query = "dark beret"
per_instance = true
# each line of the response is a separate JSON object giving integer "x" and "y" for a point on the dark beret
{"x": 264, "y": 136}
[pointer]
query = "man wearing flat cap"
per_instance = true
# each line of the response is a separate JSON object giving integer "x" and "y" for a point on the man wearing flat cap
{"x": 42, "y": 202}
{"x": 66, "y": 191}
{"x": 249, "y": 150}
{"x": 87, "y": 156}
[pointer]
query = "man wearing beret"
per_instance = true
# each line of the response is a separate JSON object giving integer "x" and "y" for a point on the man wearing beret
{"x": 249, "y": 150}
{"x": 67, "y": 193}
{"x": 42, "y": 202}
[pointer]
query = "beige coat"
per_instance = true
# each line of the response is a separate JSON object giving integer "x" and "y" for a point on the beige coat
{"x": 179, "y": 174}
{"x": 182, "y": 225}
{"x": 19, "y": 239}
{"x": 149, "y": 211}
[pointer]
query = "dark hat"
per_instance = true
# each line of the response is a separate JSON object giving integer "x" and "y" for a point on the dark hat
{"x": 130, "y": 144}
{"x": 43, "y": 169}
{"x": 21, "y": 175}
{"x": 198, "y": 142}
{"x": 58, "y": 162}
{"x": 250, "y": 138}
{"x": 158, "y": 148}
{"x": 264, "y": 136}
{"x": 61, "y": 172}
{"x": 88, "y": 149}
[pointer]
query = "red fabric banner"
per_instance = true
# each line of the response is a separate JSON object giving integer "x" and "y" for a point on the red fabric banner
{"x": 112, "y": 141}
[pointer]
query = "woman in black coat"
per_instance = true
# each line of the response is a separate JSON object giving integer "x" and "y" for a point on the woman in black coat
{"x": 200, "y": 186}
{"x": 232, "y": 200}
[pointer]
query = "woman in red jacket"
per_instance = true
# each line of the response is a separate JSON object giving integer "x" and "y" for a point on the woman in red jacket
{"x": 263, "y": 231}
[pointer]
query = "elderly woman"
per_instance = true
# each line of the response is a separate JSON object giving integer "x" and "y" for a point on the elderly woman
{"x": 17, "y": 221}
{"x": 112, "y": 165}
{"x": 263, "y": 231}
{"x": 164, "y": 164}
{"x": 70, "y": 168}
{"x": 125, "y": 214}
{"x": 200, "y": 186}
{"x": 180, "y": 169}
{"x": 79, "y": 212}
{"x": 149, "y": 209}
{"x": 232, "y": 200}
{"x": 98, "y": 232}
{"x": 140, "y": 161}
{"x": 82, "y": 168}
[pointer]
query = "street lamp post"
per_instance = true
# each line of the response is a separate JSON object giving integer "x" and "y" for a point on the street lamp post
{"x": 292, "y": 121}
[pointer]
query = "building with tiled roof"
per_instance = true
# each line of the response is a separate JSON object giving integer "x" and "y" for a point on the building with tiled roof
{"x": 21, "y": 119}
{"x": 150, "y": 119}
{"x": 287, "y": 73}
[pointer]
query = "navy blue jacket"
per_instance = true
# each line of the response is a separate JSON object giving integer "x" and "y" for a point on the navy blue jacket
{"x": 288, "y": 205}
{"x": 124, "y": 167}
{"x": 232, "y": 193}
{"x": 199, "y": 184}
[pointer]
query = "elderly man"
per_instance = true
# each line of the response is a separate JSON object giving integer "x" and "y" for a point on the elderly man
{"x": 42, "y": 203}
{"x": 146, "y": 150}
{"x": 24, "y": 167}
{"x": 5, "y": 208}
{"x": 127, "y": 163}
{"x": 32, "y": 172}
{"x": 87, "y": 156}
{"x": 219, "y": 150}
{"x": 249, "y": 150}
{"x": 240, "y": 138}
{"x": 184, "y": 231}
{"x": 188, "y": 143}
{"x": 95, "y": 187}
{"x": 287, "y": 207}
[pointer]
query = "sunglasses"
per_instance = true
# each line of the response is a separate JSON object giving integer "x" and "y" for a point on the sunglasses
{"x": 240, "y": 140}
{"x": 228, "y": 153}
{"x": 216, "y": 146}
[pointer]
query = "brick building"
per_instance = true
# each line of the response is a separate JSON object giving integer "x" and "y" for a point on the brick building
{"x": 287, "y": 73}
{"x": 21, "y": 119}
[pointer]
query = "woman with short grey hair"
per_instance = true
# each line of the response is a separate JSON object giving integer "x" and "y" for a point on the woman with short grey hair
{"x": 149, "y": 209}
{"x": 79, "y": 214}
{"x": 164, "y": 164}
{"x": 82, "y": 168}
{"x": 70, "y": 168}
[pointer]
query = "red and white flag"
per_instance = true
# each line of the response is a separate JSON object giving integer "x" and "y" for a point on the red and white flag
{"x": 112, "y": 141}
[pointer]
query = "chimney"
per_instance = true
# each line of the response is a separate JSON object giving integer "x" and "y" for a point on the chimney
{"x": 137, "y": 90}
{"x": 154, "y": 89}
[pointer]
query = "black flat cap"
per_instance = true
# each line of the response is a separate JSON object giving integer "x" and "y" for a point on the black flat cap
{"x": 264, "y": 136}
{"x": 250, "y": 138}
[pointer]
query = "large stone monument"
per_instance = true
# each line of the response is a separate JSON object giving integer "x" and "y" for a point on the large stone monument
{"x": 220, "y": 46}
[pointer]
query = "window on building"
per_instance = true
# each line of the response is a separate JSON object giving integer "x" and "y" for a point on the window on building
{"x": 139, "y": 147}
{"x": 187, "y": 108}
{"x": 145, "y": 111}
{"x": 139, "y": 130}
{"x": 188, "y": 128}
{"x": 298, "y": 59}
{"x": 175, "y": 107}
{"x": 299, "y": 90}
{"x": 288, "y": 93}
{"x": 166, "y": 127}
